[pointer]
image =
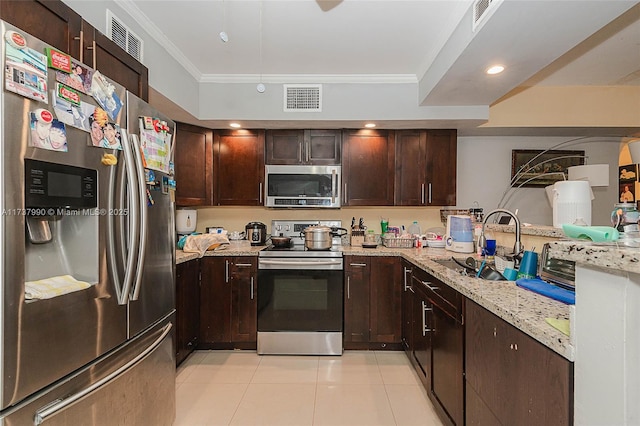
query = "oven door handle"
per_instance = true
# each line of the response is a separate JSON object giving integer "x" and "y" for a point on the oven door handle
{"x": 301, "y": 262}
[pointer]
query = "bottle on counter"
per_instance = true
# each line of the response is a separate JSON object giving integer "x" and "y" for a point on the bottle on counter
{"x": 414, "y": 228}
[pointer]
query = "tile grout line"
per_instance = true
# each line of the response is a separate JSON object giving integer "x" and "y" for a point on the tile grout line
{"x": 246, "y": 389}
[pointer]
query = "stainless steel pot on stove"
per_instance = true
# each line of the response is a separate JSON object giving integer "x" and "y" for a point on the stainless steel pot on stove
{"x": 320, "y": 237}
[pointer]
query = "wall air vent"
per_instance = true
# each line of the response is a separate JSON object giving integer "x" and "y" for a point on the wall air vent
{"x": 302, "y": 97}
{"x": 480, "y": 9}
{"x": 123, "y": 36}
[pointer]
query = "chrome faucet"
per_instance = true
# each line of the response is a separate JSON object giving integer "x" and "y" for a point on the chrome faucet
{"x": 518, "y": 248}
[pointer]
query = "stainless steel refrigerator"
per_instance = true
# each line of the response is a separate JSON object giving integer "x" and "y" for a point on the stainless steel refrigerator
{"x": 96, "y": 344}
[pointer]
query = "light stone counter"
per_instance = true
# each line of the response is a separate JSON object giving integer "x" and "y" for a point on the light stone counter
{"x": 615, "y": 256}
{"x": 182, "y": 257}
{"x": 523, "y": 309}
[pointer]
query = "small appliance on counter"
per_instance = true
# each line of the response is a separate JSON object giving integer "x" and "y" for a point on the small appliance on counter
{"x": 186, "y": 220}
{"x": 459, "y": 234}
{"x": 256, "y": 233}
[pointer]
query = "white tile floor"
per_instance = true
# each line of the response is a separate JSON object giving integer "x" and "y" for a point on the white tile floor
{"x": 357, "y": 388}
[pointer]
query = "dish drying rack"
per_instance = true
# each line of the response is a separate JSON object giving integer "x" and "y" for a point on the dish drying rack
{"x": 393, "y": 242}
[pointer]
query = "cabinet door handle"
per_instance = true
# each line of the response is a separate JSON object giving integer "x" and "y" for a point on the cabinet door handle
{"x": 300, "y": 149}
{"x": 307, "y": 154}
{"x": 260, "y": 193}
{"x": 244, "y": 265}
{"x": 406, "y": 272}
{"x": 429, "y": 193}
{"x": 348, "y": 287}
{"x": 93, "y": 51}
{"x": 226, "y": 271}
{"x": 345, "y": 193}
{"x": 422, "y": 193}
{"x": 81, "y": 39}
{"x": 362, "y": 265}
{"x": 425, "y": 330}
{"x": 251, "y": 288}
{"x": 428, "y": 284}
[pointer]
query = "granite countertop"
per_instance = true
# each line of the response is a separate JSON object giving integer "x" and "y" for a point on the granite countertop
{"x": 522, "y": 308}
{"x": 614, "y": 255}
{"x": 537, "y": 230}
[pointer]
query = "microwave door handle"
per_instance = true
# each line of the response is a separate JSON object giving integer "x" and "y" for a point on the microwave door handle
{"x": 143, "y": 222}
{"x": 134, "y": 219}
{"x": 334, "y": 186}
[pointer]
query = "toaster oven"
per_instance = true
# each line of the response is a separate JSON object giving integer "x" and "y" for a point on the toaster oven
{"x": 560, "y": 272}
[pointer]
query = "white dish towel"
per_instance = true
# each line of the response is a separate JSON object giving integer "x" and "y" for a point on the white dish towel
{"x": 52, "y": 287}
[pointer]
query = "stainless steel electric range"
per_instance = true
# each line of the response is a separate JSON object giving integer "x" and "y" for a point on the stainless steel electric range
{"x": 300, "y": 305}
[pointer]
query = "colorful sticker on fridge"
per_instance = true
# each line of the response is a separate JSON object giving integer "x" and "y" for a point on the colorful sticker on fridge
{"x": 25, "y": 68}
{"x": 46, "y": 131}
{"x": 67, "y": 94}
{"x": 156, "y": 146}
{"x": 104, "y": 93}
{"x": 79, "y": 78}
{"x": 58, "y": 60}
{"x": 74, "y": 115}
{"x": 104, "y": 133}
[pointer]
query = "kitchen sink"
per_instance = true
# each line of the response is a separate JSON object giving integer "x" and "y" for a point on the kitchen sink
{"x": 488, "y": 273}
{"x": 451, "y": 264}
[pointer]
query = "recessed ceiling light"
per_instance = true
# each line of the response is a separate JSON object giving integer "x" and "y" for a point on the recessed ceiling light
{"x": 496, "y": 69}
{"x": 370, "y": 125}
{"x": 224, "y": 37}
{"x": 235, "y": 125}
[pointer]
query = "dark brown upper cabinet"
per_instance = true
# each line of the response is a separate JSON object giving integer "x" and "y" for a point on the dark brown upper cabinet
{"x": 425, "y": 172}
{"x": 368, "y": 160}
{"x": 308, "y": 147}
{"x": 238, "y": 162}
{"x": 57, "y": 24}
{"x": 194, "y": 165}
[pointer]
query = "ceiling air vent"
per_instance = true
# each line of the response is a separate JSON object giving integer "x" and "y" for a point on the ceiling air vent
{"x": 480, "y": 8}
{"x": 303, "y": 97}
{"x": 124, "y": 37}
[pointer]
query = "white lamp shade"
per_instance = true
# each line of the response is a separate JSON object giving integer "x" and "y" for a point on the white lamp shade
{"x": 596, "y": 174}
{"x": 634, "y": 150}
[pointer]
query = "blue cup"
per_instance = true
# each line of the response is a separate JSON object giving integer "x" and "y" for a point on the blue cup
{"x": 510, "y": 274}
{"x": 529, "y": 265}
{"x": 490, "y": 248}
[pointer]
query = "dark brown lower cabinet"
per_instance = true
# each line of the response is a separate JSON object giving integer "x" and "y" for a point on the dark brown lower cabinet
{"x": 187, "y": 308}
{"x": 228, "y": 303}
{"x": 511, "y": 379}
{"x": 433, "y": 339}
{"x": 372, "y": 303}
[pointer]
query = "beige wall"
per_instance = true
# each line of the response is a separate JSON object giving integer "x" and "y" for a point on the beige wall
{"x": 571, "y": 106}
{"x": 235, "y": 218}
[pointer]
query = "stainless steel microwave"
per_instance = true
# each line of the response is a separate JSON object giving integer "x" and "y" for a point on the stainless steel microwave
{"x": 300, "y": 186}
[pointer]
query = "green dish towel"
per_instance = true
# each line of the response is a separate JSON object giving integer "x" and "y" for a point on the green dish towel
{"x": 597, "y": 234}
{"x": 560, "y": 324}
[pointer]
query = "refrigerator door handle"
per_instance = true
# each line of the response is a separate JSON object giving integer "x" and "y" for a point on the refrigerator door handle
{"x": 133, "y": 229}
{"x": 142, "y": 204}
{"x": 111, "y": 258}
{"x": 50, "y": 410}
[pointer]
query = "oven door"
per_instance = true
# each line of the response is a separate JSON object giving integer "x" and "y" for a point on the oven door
{"x": 300, "y": 306}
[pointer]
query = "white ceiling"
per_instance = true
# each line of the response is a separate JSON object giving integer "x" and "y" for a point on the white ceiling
{"x": 429, "y": 43}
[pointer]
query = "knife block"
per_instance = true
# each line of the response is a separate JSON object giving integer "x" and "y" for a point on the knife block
{"x": 357, "y": 237}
